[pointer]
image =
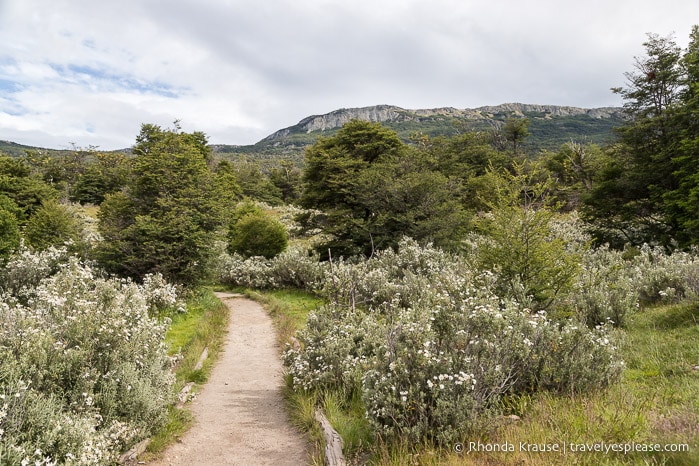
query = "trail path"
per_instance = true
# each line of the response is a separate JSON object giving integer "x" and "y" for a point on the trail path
{"x": 240, "y": 415}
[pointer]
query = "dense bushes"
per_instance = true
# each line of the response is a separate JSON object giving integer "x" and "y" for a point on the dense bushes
{"x": 432, "y": 349}
{"x": 84, "y": 369}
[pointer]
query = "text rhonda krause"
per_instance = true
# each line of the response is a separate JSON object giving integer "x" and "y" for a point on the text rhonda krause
{"x": 572, "y": 447}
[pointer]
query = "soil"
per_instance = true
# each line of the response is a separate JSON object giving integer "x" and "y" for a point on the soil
{"x": 240, "y": 417}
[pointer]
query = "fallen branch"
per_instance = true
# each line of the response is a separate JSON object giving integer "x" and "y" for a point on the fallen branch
{"x": 333, "y": 441}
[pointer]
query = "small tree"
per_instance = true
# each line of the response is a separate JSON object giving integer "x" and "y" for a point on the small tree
{"x": 519, "y": 244}
{"x": 52, "y": 225}
{"x": 515, "y": 130}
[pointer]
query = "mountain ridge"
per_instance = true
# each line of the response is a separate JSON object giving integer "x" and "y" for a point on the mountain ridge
{"x": 550, "y": 126}
{"x": 392, "y": 113}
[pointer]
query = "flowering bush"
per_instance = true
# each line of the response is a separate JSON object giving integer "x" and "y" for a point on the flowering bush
{"x": 84, "y": 367}
{"x": 432, "y": 349}
{"x": 666, "y": 277}
{"x": 339, "y": 345}
{"x": 292, "y": 268}
{"x": 25, "y": 269}
{"x": 606, "y": 289}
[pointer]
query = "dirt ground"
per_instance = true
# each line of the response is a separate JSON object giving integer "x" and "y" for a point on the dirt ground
{"x": 240, "y": 415}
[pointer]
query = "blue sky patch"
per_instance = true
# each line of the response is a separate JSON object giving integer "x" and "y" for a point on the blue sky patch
{"x": 9, "y": 86}
{"x": 102, "y": 78}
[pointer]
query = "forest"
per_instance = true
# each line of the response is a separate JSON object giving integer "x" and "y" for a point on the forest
{"x": 452, "y": 289}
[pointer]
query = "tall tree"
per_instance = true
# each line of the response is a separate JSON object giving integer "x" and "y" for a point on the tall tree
{"x": 628, "y": 204}
{"x": 165, "y": 219}
{"x": 683, "y": 202}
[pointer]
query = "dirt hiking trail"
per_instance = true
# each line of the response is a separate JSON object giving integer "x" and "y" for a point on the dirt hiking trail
{"x": 239, "y": 413}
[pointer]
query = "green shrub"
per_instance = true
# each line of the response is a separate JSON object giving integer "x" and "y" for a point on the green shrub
{"x": 9, "y": 234}
{"x": 52, "y": 225}
{"x": 256, "y": 234}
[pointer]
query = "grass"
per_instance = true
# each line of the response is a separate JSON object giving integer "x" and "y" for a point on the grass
{"x": 204, "y": 325}
{"x": 289, "y": 310}
{"x": 346, "y": 414}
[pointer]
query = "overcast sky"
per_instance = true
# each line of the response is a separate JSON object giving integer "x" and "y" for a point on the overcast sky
{"x": 89, "y": 72}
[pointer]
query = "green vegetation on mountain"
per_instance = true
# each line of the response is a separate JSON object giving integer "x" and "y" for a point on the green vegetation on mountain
{"x": 549, "y": 127}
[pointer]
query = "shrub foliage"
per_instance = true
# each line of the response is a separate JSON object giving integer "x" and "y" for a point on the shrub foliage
{"x": 84, "y": 368}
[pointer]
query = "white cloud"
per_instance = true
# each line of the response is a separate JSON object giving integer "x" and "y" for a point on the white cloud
{"x": 91, "y": 72}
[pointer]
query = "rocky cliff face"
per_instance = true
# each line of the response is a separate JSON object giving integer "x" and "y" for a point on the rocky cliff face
{"x": 338, "y": 118}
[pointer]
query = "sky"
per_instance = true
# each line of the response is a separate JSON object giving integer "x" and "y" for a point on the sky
{"x": 88, "y": 73}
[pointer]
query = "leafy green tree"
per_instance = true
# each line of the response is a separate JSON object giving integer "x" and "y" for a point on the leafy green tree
{"x": 515, "y": 130}
{"x": 10, "y": 216}
{"x": 255, "y": 184}
{"x": 643, "y": 189}
{"x": 9, "y": 233}
{"x": 520, "y": 246}
{"x": 61, "y": 171}
{"x": 576, "y": 168}
{"x": 26, "y": 190}
{"x": 226, "y": 184}
{"x": 373, "y": 190}
{"x": 464, "y": 159}
{"x": 287, "y": 179}
{"x": 107, "y": 174}
{"x": 683, "y": 201}
{"x": 165, "y": 219}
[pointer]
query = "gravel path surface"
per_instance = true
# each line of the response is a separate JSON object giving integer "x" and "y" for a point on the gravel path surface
{"x": 240, "y": 414}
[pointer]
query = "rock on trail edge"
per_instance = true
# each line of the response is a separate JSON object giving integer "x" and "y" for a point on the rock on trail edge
{"x": 240, "y": 418}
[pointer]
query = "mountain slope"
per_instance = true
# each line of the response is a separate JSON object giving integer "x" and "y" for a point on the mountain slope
{"x": 550, "y": 126}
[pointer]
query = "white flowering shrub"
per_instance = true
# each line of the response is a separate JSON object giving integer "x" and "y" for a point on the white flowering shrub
{"x": 432, "y": 349}
{"x": 25, "y": 269}
{"x": 665, "y": 277}
{"x": 605, "y": 290}
{"x": 408, "y": 276}
{"x": 84, "y": 367}
{"x": 340, "y": 344}
{"x": 292, "y": 268}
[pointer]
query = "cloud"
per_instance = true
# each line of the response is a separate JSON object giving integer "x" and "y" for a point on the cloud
{"x": 91, "y": 72}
